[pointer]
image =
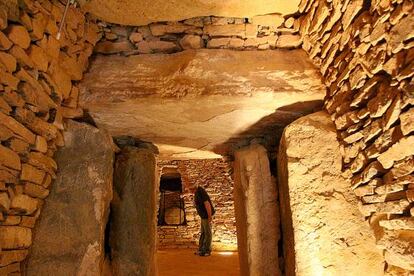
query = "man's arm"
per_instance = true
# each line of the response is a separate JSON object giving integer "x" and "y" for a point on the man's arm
{"x": 208, "y": 208}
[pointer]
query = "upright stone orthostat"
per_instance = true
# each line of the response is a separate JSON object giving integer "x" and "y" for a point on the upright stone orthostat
{"x": 324, "y": 233}
{"x": 133, "y": 217}
{"x": 257, "y": 216}
{"x": 69, "y": 238}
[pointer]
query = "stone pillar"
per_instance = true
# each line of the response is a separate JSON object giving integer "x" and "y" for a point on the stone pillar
{"x": 257, "y": 215}
{"x": 69, "y": 237}
{"x": 323, "y": 231}
{"x": 133, "y": 213}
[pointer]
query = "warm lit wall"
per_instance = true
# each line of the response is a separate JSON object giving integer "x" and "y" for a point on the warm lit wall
{"x": 214, "y": 174}
{"x": 38, "y": 76}
{"x": 366, "y": 55}
{"x": 263, "y": 32}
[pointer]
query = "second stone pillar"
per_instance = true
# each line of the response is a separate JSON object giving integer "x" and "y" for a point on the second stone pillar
{"x": 257, "y": 216}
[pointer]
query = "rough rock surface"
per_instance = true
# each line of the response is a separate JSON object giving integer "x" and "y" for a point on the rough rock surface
{"x": 133, "y": 213}
{"x": 69, "y": 239}
{"x": 140, "y": 12}
{"x": 191, "y": 103}
{"x": 322, "y": 223}
{"x": 36, "y": 94}
{"x": 257, "y": 214}
{"x": 365, "y": 52}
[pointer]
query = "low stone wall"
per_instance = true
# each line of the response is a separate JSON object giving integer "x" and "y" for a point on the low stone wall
{"x": 38, "y": 76}
{"x": 365, "y": 52}
{"x": 261, "y": 32}
{"x": 214, "y": 174}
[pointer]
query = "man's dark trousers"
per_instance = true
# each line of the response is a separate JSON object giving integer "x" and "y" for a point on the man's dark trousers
{"x": 204, "y": 245}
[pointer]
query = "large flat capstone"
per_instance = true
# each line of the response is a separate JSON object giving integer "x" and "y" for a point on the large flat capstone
{"x": 69, "y": 238}
{"x": 193, "y": 104}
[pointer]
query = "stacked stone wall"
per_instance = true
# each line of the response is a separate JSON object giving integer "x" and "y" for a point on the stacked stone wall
{"x": 214, "y": 174}
{"x": 38, "y": 90}
{"x": 365, "y": 51}
{"x": 261, "y": 32}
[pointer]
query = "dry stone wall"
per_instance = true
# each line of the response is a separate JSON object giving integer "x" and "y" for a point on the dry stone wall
{"x": 261, "y": 32}
{"x": 38, "y": 89}
{"x": 365, "y": 51}
{"x": 214, "y": 174}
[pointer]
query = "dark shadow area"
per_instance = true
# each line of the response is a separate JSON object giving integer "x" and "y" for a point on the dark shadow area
{"x": 172, "y": 208}
{"x": 125, "y": 141}
{"x": 269, "y": 129}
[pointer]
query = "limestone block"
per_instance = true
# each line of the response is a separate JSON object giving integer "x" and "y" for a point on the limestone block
{"x": 148, "y": 47}
{"x": 218, "y": 42}
{"x": 8, "y": 80}
{"x": 9, "y": 158}
{"x": 61, "y": 80}
{"x": 133, "y": 213}
{"x": 21, "y": 56}
{"x": 39, "y": 57}
{"x": 226, "y": 30}
{"x": 11, "y": 269}
{"x": 312, "y": 192}
{"x": 399, "y": 248}
{"x": 32, "y": 174}
{"x": 4, "y": 202}
{"x": 191, "y": 42}
{"x": 3, "y": 19}
{"x": 407, "y": 121}
{"x": 15, "y": 237}
{"x": 236, "y": 43}
{"x": 163, "y": 29}
{"x": 18, "y": 35}
{"x": 69, "y": 238}
{"x": 108, "y": 47}
{"x": 289, "y": 41}
{"x": 8, "y": 61}
{"x": 40, "y": 144}
{"x": 12, "y": 256}
{"x": 257, "y": 215}
{"x": 271, "y": 20}
{"x": 24, "y": 204}
{"x": 251, "y": 31}
{"x": 402, "y": 149}
{"x": 398, "y": 224}
{"x": 36, "y": 191}
{"x": 5, "y": 43}
{"x": 136, "y": 37}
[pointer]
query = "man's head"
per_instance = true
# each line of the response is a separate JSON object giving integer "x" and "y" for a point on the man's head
{"x": 192, "y": 189}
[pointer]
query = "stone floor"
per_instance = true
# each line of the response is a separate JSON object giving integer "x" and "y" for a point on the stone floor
{"x": 183, "y": 262}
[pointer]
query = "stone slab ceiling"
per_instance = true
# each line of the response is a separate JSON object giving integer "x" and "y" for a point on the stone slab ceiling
{"x": 199, "y": 104}
{"x": 143, "y": 12}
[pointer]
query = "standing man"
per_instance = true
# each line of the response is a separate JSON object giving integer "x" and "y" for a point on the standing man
{"x": 206, "y": 211}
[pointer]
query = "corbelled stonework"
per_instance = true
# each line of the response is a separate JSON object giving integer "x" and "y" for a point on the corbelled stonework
{"x": 38, "y": 76}
{"x": 365, "y": 52}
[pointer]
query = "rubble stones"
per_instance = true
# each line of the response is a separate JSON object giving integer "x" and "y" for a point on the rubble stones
{"x": 261, "y": 32}
{"x": 374, "y": 39}
{"x": 32, "y": 88}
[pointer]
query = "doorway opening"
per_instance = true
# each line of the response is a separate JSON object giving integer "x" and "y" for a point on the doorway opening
{"x": 172, "y": 208}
